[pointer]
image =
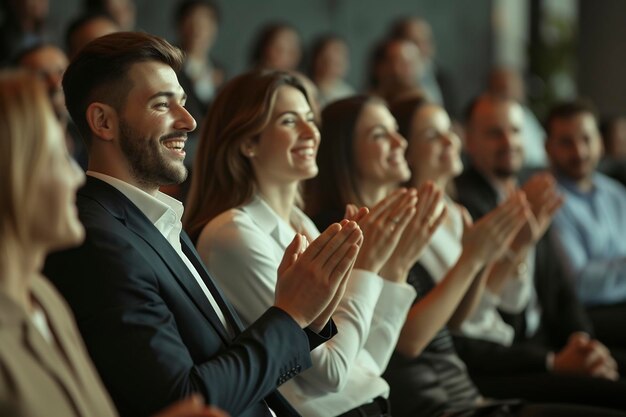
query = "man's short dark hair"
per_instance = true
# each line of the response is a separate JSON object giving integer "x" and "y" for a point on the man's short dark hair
{"x": 100, "y": 71}
{"x": 471, "y": 107}
{"x": 567, "y": 110}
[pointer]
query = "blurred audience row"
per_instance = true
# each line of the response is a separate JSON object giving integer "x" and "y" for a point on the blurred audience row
{"x": 467, "y": 279}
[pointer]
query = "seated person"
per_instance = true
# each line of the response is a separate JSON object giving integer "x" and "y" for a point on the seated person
{"x": 86, "y": 28}
{"x": 263, "y": 147}
{"x": 589, "y": 230}
{"x": 330, "y": 59}
{"x": 50, "y": 62}
{"x": 362, "y": 159}
{"x": 613, "y": 162}
{"x": 155, "y": 324}
{"x": 45, "y": 368}
{"x": 548, "y": 347}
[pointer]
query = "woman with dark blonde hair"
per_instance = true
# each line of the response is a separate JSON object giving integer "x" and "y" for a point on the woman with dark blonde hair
{"x": 260, "y": 141}
{"x": 45, "y": 367}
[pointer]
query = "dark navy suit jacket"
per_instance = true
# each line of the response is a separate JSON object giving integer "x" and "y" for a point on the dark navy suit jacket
{"x": 149, "y": 328}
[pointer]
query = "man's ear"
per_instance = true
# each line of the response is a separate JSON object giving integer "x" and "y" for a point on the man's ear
{"x": 102, "y": 120}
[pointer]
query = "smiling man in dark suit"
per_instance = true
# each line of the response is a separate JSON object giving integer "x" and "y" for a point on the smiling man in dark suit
{"x": 154, "y": 323}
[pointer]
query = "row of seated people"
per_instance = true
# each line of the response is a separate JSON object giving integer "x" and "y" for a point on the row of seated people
{"x": 345, "y": 322}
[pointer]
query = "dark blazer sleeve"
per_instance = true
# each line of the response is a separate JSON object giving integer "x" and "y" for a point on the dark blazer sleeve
{"x": 151, "y": 344}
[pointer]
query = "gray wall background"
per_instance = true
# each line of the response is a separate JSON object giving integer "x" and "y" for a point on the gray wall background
{"x": 462, "y": 30}
{"x": 602, "y": 54}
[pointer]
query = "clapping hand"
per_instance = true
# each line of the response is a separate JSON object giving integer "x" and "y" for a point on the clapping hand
{"x": 312, "y": 277}
{"x": 428, "y": 215}
{"x": 490, "y": 237}
{"x": 383, "y": 226}
{"x": 544, "y": 199}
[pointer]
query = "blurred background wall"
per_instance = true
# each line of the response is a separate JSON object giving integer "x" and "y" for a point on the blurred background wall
{"x": 563, "y": 47}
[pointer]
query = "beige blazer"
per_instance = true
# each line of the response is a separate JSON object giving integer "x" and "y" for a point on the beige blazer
{"x": 43, "y": 379}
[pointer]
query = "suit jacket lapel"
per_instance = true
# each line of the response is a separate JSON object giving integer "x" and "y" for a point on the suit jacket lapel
{"x": 226, "y": 307}
{"x": 134, "y": 219}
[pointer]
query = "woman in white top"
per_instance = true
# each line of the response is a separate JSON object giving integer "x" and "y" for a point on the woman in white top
{"x": 351, "y": 172}
{"x": 260, "y": 141}
{"x": 434, "y": 155}
{"x": 354, "y": 167}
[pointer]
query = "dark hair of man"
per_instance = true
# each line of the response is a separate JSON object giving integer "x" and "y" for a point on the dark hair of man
{"x": 398, "y": 29}
{"x": 100, "y": 71}
{"x": 187, "y": 6}
{"x": 473, "y": 104}
{"x": 336, "y": 184}
{"x": 567, "y": 110}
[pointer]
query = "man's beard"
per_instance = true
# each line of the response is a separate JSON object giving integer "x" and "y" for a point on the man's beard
{"x": 148, "y": 165}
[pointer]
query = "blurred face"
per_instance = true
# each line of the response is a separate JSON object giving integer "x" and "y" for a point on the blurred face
{"x": 494, "y": 139}
{"x": 379, "y": 148}
{"x": 283, "y": 52}
{"x": 402, "y": 65}
{"x": 50, "y": 63}
{"x": 574, "y": 146}
{"x": 420, "y": 32}
{"x": 154, "y": 126}
{"x": 123, "y": 12}
{"x": 434, "y": 150}
{"x": 286, "y": 149}
{"x": 33, "y": 9}
{"x": 55, "y": 191}
{"x": 198, "y": 29}
{"x": 333, "y": 60}
{"x": 93, "y": 29}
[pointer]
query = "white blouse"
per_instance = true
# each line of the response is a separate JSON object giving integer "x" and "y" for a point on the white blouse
{"x": 242, "y": 249}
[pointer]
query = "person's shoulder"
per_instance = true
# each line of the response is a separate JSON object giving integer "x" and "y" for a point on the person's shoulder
{"x": 228, "y": 226}
{"x": 609, "y": 185}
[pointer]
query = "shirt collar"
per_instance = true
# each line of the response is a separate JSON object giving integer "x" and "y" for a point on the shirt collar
{"x": 158, "y": 209}
{"x": 271, "y": 223}
{"x": 573, "y": 188}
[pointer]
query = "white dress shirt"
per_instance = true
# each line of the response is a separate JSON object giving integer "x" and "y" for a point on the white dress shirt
{"x": 165, "y": 213}
{"x": 242, "y": 249}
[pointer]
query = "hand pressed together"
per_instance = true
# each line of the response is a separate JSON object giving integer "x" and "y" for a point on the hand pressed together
{"x": 428, "y": 215}
{"x": 586, "y": 356}
{"x": 382, "y": 228}
{"x": 312, "y": 277}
